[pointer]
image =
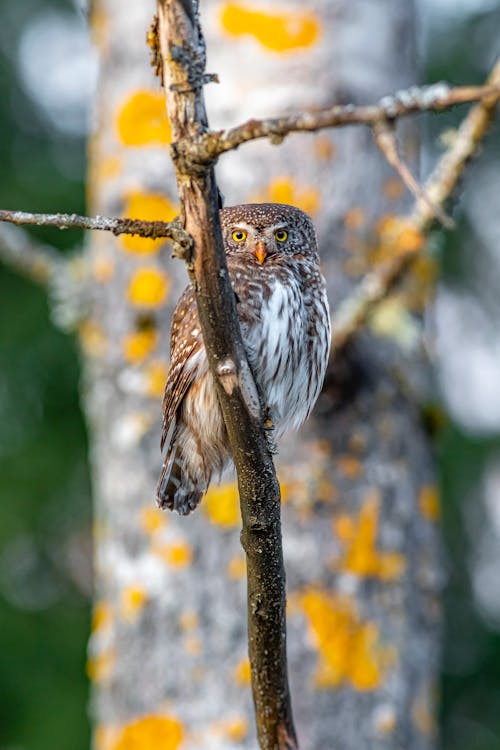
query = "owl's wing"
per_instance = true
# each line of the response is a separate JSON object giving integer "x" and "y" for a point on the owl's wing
{"x": 186, "y": 342}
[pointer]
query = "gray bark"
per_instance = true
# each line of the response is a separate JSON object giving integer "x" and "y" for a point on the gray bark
{"x": 362, "y": 559}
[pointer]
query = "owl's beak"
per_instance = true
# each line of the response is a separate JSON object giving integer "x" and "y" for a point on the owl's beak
{"x": 260, "y": 252}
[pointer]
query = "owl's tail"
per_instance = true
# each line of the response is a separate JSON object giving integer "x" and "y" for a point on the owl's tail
{"x": 177, "y": 490}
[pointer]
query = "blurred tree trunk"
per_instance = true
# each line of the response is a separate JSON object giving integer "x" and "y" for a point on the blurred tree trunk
{"x": 168, "y": 649}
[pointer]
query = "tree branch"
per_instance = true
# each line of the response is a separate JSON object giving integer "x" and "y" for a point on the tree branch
{"x": 171, "y": 230}
{"x": 437, "y": 97}
{"x": 29, "y": 258}
{"x": 183, "y": 56}
{"x": 355, "y": 309}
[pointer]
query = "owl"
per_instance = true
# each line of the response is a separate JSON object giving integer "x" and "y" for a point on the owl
{"x": 273, "y": 264}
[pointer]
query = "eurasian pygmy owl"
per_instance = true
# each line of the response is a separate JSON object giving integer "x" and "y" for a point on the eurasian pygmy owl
{"x": 273, "y": 264}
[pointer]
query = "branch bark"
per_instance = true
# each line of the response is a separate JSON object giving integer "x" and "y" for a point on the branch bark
{"x": 437, "y": 97}
{"x": 154, "y": 229}
{"x": 183, "y": 55}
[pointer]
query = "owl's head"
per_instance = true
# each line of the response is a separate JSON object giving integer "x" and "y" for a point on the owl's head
{"x": 267, "y": 230}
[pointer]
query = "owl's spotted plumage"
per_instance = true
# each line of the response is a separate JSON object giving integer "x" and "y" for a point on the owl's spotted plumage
{"x": 273, "y": 265}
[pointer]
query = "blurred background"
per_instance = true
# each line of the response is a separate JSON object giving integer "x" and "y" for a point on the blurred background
{"x": 47, "y": 76}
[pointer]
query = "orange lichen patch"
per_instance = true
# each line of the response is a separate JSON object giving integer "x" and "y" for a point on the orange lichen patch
{"x": 420, "y": 282}
{"x": 222, "y": 505}
{"x": 393, "y": 188}
{"x": 149, "y": 733}
{"x": 285, "y": 32}
{"x": 348, "y": 648}
{"x": 188, "y": 620}
{"x": 354, "y": 218}
{"x": 237, "y": 567}
{"x": 148, "y": 287}
{"x": 324, "y": 149}
{"x": 192, "y": 646}
{"x": 397, "y": 237}
{"x": 241, "y": 674}
{"x": 101, "y": 616}
{"x": 361, "y": 556}
{"x": 286, "y": 190}
{"x": 103, "y": 269}
{"x": 100, "y": 667}
{"x": 148, "y": 207}
{"x": 142, "y": 120}
{"x": 350, "y": 466}
{"x": 133, "y": 600}
{"x": 99, "y": 26}
{"x": 428, "y": 502}
{"x": 152, "y": 520}
{"x": 177, "y": 554}
{"x": 235, "y": 729}
{"x": 156, "y": 375}
{"x": 138, "y": 345}
{"x": 92, "y": 338}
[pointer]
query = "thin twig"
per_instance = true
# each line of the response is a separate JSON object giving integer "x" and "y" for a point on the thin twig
{"x": 31, "y": 259}
{"x": 183, "y": 54}
{"x": 376, "y": 285}
{"x": 385, "y": 138}
{"x": 439, "y": 96}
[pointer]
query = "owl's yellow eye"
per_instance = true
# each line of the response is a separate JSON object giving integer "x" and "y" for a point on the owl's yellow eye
{"x": 239, "y": 235}
{"x": 281, "y": 235}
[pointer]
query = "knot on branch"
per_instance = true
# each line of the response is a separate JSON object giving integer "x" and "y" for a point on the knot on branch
{"x": 192, "y": 60}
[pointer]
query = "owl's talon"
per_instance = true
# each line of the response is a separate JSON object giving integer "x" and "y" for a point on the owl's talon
{"x": 268, "y": 420}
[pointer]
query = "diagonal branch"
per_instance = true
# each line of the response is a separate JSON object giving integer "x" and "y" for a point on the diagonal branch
{"x": 183, "y": 56}
{"x": 375, "y": 286}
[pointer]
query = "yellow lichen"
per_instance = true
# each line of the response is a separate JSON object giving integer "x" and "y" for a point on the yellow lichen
{"x": 236, "y": 567}
{"x": 101, "y": 616}
{"x": 350, "y": 466}
{"x": 149, "y": 733}
{"x": 139, "y": 344}
{"x": 192, "y": 645}
{"x": 324, "y": 149}
{"x": 92, "y": 338}
{"x": 396, "y": 237}
{"x": 148, "y": 287}
{"x": 156, "y": 375}
{"x": 99, "y": 667}
{"x": 133, "y": 600}
{"x": 241, "y": 672}
{"x": 286, "y": 190}
{"x": 148, "y": 207}
{"x": 222, "y": 506}
{"x": 142, "y": 120}
{"x": 152, "y": 520}
{"x": 176, "y": 554}
{"x": 428, "y": 502}
{"x": 285, "y": 32}
{"x": 348, "y": 649}
{"x": 235, "y": 729}
{"x": 109, "y": 167}
{"x": 189, "y": 620}
{"x": 361, "y": 556}
{"x": 354, "y": 218}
